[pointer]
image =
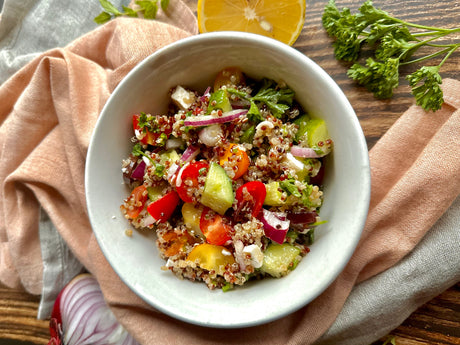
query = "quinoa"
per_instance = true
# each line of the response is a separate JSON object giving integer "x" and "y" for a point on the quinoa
{"x": 198, "y": 239}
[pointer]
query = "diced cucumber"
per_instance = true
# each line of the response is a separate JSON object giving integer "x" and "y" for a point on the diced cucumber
{"x": 317, "y": 132}
{"x": 302, "y": 123}
{"x": 280, "y": 259}
{"x": 219, "y": 100}
{"x": 218, "y": 191}
{"x": 170, "y": 155}
{"x": 314, "y": 131}
{"x": 154, "y": 193}
{"x": 274, "y": 196}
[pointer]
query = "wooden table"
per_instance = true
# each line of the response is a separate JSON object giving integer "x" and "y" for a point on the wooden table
{"x": 438, "y": 321}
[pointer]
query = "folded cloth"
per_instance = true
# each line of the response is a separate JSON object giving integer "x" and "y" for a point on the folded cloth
{"x": 56, "y": 99}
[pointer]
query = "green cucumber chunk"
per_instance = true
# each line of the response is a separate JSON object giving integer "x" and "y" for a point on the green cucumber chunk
{"x": 170, "y": 155}
{"x": 280, "y": 259}
{"x": 302, "y": 123}
{"x": 274, "y": 195}
{"x": 219, "y": 100}
{"x": 317, "y": 132}
{"x": 218, "y": 191}
{"x": 154, "y": 193}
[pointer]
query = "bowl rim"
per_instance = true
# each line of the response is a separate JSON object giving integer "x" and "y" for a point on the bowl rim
{"x": 206, "y": 38}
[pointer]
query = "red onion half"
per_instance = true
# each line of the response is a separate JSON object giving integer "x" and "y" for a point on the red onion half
{"x": 276, "y": 226}
{"x": 206, "y": 120}
{"x": 83, "y": 316}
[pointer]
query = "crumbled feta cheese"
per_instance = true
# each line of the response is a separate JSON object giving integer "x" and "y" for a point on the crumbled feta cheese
{"x": 294, "y": 163}
{"x": 146, "y": 161}
{"x": 183, "y": 98}
{"x": 226, "y": 252}
{"x": 169, "y": 263}
{"x": 257, "y": 257}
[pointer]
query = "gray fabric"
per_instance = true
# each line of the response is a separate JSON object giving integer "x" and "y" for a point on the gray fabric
{"x": 60, "y": 265}
{"x": 374, "y": 307}
{"x": 28, "y": 28}
{"x": 378, "y": 305}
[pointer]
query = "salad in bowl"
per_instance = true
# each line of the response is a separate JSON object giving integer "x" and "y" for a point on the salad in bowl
{"x": 229, "y": 179}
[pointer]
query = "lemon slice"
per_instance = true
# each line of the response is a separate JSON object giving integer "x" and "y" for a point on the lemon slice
{"x": 281, "y": 20}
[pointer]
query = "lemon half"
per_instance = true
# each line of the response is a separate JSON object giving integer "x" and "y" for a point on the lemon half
{"x": 282, "y": 20}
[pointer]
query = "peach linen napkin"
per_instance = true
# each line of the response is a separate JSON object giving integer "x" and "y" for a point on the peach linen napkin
{"x": 47, "y": 112}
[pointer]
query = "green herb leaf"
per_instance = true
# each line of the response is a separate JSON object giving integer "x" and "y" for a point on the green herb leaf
{"x": 129, "y": 12}
{"x": 149, "y": 8}
{"x": 164, "y": 4}
{"x": 393, "y": 44}
{"x": 381, "y": 78}
{"x": 109, "y": 7}
{"x": 425, "y": 83}
{"x": 102, "y": 18}
{"x": 290, "y": 188}
{"x": 159, "y": 170}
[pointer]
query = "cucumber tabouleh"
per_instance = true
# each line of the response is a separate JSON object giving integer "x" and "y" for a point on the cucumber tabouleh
{"x": 230, "y": 180}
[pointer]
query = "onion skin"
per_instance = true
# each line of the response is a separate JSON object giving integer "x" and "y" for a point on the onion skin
{"x": 206, "y": 120}
{"x": 81, "y": 317}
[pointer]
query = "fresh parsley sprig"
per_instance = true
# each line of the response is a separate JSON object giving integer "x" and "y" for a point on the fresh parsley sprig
{"x": 394, "y": 41}
{"x": 148, "y": 8}
{"x": 277, "y": 99}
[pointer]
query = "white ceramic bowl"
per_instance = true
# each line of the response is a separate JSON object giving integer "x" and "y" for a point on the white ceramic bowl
{"x": 194, "y": 62}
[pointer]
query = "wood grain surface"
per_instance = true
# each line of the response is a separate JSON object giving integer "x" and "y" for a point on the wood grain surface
{"x": 436, "y": 322}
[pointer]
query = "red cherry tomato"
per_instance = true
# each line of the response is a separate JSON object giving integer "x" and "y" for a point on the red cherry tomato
{"x": 135, "y": 203}
{"x": 250, "y": 198}
{"x": 150, "y": 137}
{"x": 163, "y": 208}
{"x": 213, "y": 227}
{"x": 188, "y": 180}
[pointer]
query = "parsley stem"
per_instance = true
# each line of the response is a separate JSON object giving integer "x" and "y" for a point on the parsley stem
{"x": 454, "y": 48}
{"x": 427, "y": 57}
{"x": 424, "y": 27}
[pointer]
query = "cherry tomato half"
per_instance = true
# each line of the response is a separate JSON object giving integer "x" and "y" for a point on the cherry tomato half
{"x": 135, "y": 203}
{"x": 188, "y": 180}
{"x": 213, "y": 227}
{"x": 150, "y": 137}
{"x": 250, "y": 198}
{"x": 163, "y": 208}
{"x": 237, "y": 155}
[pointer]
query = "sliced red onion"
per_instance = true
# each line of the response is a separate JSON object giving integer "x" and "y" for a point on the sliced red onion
{"x": 304, "y": 152}
{"x": 274, "y": 227}
{"x": 206, "y": 94}
{"x": 189, "y": 154}
{"x": 206, "y": 120}
{"x": 138, "y": 172}
{"x": 84, "y": 317}
{"x": 305, "y": 217}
